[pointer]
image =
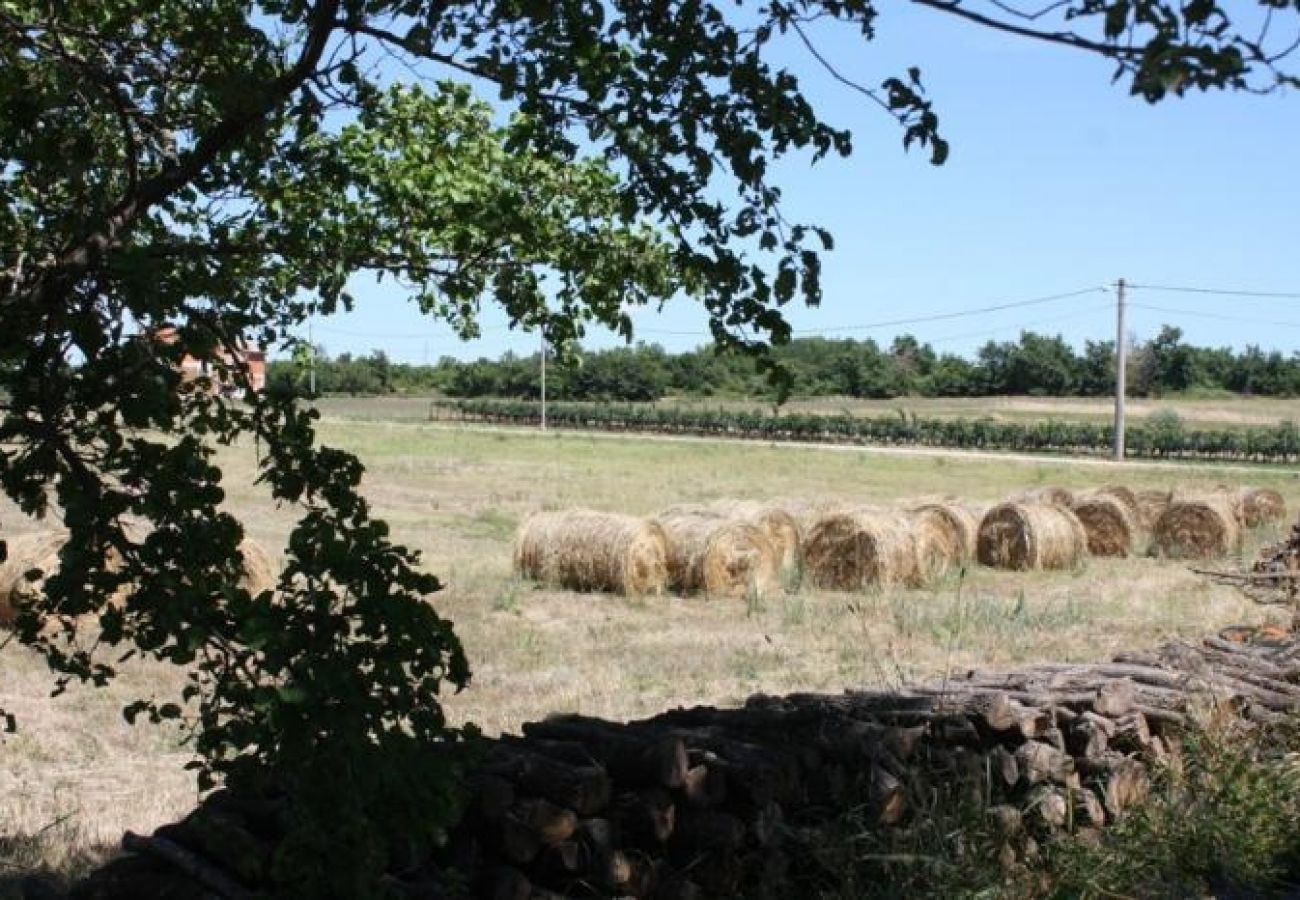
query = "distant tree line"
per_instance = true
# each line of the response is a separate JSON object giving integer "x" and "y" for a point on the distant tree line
{"x": 1034, "y": 364}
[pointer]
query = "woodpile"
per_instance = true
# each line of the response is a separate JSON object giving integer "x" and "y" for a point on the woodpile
{"x": 707, "y": 802}
{"x": 1031, "y": 536}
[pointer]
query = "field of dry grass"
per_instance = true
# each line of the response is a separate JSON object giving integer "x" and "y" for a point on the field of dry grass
{"x": 78, "y": 771}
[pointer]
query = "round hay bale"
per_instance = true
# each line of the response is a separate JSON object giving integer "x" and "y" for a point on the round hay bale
{"x": 859, "y": 550}
{"x": 1110, "y": 526}
{"x": 1124, "y": 495}
{"x": 1023, "y": 536}
{"x": 1232, "y": 496}
{"x": 584, "y": 550}
{"x": 259, "y": 571}
{"x": 29, "y": 560}
{"x": 1261, "y": 506}
{"x": 1151, "y": 505}
{"x": 779, "y": 526}
{"x": 717, "y": 557}
{"x": 945, "y": 536}
{"x": 1197, "y": 528}
{"x": 807, "y": 513}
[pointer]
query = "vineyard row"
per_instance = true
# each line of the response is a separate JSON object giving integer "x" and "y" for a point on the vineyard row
{"x": 1275, "y": 444}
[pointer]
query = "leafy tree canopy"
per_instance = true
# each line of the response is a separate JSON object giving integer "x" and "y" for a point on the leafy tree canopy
{"x": 226, "y": 166}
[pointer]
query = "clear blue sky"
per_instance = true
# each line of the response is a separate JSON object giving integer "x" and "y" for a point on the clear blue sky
{"x": 1058, "y": 181}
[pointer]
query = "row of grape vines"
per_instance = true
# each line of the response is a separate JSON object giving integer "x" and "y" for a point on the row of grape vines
{"x": 1274, "y": 444}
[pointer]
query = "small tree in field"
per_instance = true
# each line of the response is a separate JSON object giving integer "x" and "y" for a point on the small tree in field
{"x": 226, "y": 168}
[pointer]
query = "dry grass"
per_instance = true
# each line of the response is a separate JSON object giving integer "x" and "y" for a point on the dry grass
{"x": 459, "y": 496}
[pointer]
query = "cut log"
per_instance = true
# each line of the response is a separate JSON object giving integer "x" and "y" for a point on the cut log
{"x": 1048, "y": 807}
{"x": 1132, "y": 733}
{"x": 1039, "y": 762}
{"x": 888, "y": 797}
{"x": 645, "y": 818}
{"x": 507, "y": 883}
{"x": 1003, "y": 767}
{"x": 583, "y": 789}
{"x": 1115, "y": 699}
{"x": 552, "y": 824}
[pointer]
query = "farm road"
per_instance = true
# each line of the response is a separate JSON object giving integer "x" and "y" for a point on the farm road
{"x": 914, "y": 451}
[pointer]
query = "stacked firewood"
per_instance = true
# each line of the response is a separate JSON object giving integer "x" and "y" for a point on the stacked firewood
{"x": 724, "y": 802}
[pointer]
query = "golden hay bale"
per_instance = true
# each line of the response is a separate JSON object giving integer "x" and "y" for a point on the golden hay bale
{"x": 1151, "y": 505}
{"x": 1260, "y": 506}
{"x": 1111, "y": 528}
{"x": 1124, "y": 495}
{"x": 945, "y": 536}
{"x": 1025, "y": 536}
{"x": 861, "y": 549}
{"x": 259, "y": 571}
{"x": 584, "y": 550}
{"x": 27, "y": 553}
{"x": 1196, "y": 528}
{"x": 717, "y": 557}
{"x": 780, "y": 527}
{"x": 807, "y": 513}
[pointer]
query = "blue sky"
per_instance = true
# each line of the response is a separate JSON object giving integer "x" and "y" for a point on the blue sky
{"x": 1058, "y": 181}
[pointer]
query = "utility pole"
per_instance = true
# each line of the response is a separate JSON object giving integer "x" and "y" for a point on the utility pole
{"x": 1121, "y": 370}
{"x": 543, "y": 334}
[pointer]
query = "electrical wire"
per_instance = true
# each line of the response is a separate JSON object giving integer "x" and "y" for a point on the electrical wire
{"x": 1209, "y": 315}
{"x": 1022, "y": 326}
{"x": 917, "y": 320}
{"x": 1280, "y": 295}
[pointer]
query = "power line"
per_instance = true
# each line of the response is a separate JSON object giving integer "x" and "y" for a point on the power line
{"x": 1209, "y": 315}
{"x": 1020, "y": 326}
{"x": 917, "y": 320}
{"x": 1281, "y": 295}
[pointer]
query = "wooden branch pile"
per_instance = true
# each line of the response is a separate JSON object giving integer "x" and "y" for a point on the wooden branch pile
{"x": 724, "y": 802}
{"x": 1274, "y": 577}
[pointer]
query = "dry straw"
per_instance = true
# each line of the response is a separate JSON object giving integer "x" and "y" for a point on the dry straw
{"x": 1151, "y": 505}
{"x": 1110, "y": 525}
{"x": 1261, "y": 506}
{"x": 259, "y": 570}
{"x": 1052, "y": 495}
{"x": 1197, "y": 527}
{"x": 26, "y": 554}
{"x": 593, "y": 551}
{"x": 1025, "y": 536}
{"x": 717, "y": 557}
{"x": 861, "y": 549}
{"x": 779, "y": 526}
{"x": 945, "y": 535}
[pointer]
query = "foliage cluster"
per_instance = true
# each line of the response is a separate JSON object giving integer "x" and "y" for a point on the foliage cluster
{"x": 1034, "y": 364}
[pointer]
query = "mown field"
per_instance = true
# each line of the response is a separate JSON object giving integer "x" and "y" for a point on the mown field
{"x": 78, "y": 775}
